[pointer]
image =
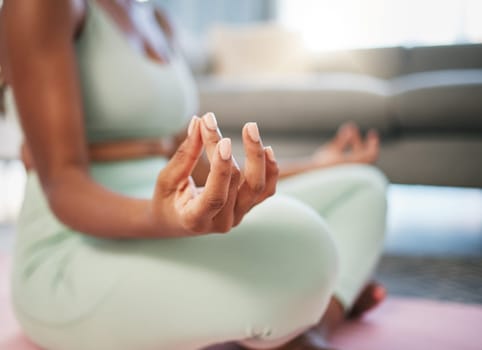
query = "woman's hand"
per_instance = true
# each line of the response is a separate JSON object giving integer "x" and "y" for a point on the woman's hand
{"x": 182, "y": 209}
{"x": 348, "y": 146}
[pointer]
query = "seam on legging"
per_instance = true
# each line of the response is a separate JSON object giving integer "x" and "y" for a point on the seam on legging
{"x": 341, "y": 198}
{"x": 70, "y": 323}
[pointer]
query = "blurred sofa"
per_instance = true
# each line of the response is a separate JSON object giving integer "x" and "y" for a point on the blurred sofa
{"x": 426, "y": 103}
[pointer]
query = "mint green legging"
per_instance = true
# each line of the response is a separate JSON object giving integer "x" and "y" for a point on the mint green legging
{"x": 263, "y": 283}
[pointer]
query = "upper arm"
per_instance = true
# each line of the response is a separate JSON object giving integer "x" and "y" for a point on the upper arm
{"x": 38, "y": 36}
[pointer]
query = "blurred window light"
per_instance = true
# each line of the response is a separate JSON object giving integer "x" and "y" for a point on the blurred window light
{"x": 346, "y": 24}
{"x": 196, "y": 16}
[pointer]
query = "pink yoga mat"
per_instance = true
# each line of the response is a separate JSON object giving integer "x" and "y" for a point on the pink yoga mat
{"x": 408, "y": 324}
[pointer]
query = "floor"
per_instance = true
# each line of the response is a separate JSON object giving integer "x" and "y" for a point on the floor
{"x": 455, "y": 279}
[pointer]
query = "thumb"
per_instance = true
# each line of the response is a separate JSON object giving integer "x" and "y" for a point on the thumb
{"x": 186, "y": 156}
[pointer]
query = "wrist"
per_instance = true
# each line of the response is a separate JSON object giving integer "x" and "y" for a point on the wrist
{"x": 313, "y": 162}
{"x": 156, "y": 223}
{"x": 146, "y": 221}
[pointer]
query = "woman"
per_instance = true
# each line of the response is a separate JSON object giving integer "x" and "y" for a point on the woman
{"x": 119, "y": 243}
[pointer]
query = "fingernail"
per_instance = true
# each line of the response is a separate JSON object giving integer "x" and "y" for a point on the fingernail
{"x": 253, "y": 131}
{"x": 270, "y": 153}
{"x": 210, "y": 121}
{"x": 192, "y": 124}
{"x": 225, "y": 149}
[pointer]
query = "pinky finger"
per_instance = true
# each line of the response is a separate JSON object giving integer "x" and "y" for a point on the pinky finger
{"x": 271, "y": 179}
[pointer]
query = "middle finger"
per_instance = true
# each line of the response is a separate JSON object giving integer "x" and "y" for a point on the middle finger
{"x": 254, "y": 170}
{"x": 210, "y": 133}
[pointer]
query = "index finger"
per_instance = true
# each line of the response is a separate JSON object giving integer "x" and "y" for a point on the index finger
{"x": 182, "y": 163}
{"x": 215, "y": 193}
{"x": 211, "y": 135}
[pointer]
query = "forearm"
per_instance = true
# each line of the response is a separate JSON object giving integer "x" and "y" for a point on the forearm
{"x": 296, "y": 167}
{"x": 87, "y": 207}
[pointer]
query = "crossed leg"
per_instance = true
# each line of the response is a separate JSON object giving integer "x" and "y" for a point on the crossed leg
{"x": 351, "y": 198}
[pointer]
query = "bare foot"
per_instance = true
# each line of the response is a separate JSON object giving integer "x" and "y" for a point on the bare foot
{"x": 348, "y": 146}
{"x": 314, "y": 339}
{"x": 370, "y": 297}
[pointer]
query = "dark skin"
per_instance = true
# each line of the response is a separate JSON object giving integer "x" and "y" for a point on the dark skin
{"x": 41, "y": 68}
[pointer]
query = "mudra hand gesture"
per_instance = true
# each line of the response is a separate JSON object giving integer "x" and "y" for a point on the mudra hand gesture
{"x": 229, "y": 193}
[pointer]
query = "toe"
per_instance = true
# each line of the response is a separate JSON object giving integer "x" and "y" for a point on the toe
{"x": 370, "y": 297}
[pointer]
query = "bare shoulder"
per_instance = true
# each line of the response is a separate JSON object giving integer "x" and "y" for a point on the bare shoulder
{"x": 41, "y": 17}
{"x": 32, "y": 25}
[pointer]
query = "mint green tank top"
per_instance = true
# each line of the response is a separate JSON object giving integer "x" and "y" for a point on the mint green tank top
{"x": 127, "y": 95}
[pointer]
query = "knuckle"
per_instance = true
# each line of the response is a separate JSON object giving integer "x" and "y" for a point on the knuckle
{"x": 215, "y": 203}
{"x": 211, "y": 140}
{"x": 163, "y": 186}
{"x": 224, "y": 227}
{"x": 162, "y": 181}
{"x": 237, "y": 221}
{"x": 274, "y": 176}
{"x": 226, "y": 173}
{"x": 258, "y": 188}
{"x": 259, "y": 153}
{"x": 235, "y": 175}
{"x": 194, "y": 224}
{"x": 235, "y": 172}
{"x": 196, "y": 229}
{"x": 182, "y": 154}
{"x": 271, "y": 192}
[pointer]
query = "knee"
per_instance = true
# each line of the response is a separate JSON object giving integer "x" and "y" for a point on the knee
{"x": 302, "y": 257}
{"x": 294, "y": 228}
{"x": 372, "y": 183}
{"x": 365, "y": 202}
{"x": 371, "y": 178}
{"x": 372, "y": 198}
{"x": 314, "y": 243}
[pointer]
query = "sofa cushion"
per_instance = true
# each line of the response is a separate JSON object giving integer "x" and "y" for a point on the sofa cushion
{"x": 254, "y": 50}
{"x": 385, "y": 62}
{"x": 433, "y": 58}
{"x": 439, "y": 100}
{"x": 312, "y": 103}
